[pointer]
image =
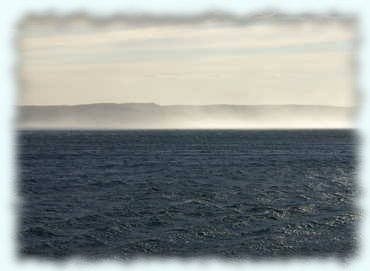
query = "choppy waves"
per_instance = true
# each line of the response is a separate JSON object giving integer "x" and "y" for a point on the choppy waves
{"x": 187, "y": 193}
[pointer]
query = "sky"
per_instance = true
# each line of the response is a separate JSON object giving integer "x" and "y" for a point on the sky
{"x": 190, "y": 61}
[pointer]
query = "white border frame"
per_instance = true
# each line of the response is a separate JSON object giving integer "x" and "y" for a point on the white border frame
{"x": 12, "y": 12}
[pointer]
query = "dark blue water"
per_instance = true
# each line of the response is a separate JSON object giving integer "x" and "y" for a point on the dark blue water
{"x": 241, "y": 194}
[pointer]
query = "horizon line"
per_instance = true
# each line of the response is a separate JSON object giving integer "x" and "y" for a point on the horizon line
{"x": 167, "y": 105}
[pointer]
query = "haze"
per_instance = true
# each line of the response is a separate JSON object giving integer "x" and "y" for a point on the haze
{"x": 153, "y": 116}
{"x": 187, "y": 62}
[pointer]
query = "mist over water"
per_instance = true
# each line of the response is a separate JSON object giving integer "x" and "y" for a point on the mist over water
{"x": 153, "y": 116}
{"x": 235, "y": 139}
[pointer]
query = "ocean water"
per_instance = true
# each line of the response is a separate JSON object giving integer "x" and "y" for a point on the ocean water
{"x": 187, "y": 193}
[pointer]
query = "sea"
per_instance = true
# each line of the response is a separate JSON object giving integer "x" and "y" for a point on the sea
{"x": 233, "y": 194}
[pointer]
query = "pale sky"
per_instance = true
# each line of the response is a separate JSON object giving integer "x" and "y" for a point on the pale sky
{"x": 212, "y": 62}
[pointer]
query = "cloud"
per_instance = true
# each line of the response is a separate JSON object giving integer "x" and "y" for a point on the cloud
{"x": 197, "y": 60}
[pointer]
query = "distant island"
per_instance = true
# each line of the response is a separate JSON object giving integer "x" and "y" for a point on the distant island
{"x": 154, "y": 116}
